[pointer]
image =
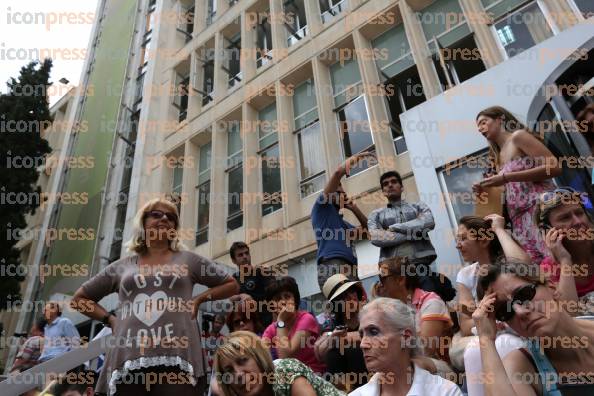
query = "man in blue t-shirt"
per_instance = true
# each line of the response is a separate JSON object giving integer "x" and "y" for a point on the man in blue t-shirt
{"x": 335, "y": 236}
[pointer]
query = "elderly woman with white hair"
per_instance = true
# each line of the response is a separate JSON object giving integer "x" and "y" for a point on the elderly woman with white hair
{"x": 389, "y": 343}
{"x": 156, "y": 347}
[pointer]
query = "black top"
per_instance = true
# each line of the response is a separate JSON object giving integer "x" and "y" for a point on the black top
{"x": 254, "y": 283}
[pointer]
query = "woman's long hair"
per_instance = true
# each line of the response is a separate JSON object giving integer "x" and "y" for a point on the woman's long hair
{"x": 510, "y": 124}
{"x": 482, "y": 229}
{"x": 137, "y": 244}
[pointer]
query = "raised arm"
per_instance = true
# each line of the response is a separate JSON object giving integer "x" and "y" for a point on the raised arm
{"x": 342, "y": 170}
{"x": 511, "y": 249}
{"x": 497, "y": 381}
{"x": 566, "y": 286}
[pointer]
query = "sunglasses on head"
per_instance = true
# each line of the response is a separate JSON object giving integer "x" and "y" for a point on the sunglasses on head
{"x": 504, "y": 310}
{"x": 158, "y": 214}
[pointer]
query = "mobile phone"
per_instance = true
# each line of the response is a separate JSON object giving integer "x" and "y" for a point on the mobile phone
{"x": 340, "y": 328}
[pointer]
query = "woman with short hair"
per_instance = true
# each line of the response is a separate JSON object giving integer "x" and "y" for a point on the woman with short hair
{"x": 155, "y": 331}
{"x": 294, "y": 332}
{"x": 244, "y": 367}
{"x": 389, "y": 342}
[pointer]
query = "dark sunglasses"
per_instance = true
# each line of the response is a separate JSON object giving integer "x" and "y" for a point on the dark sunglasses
{"x": 158, "y": 214}
{"x": 504, "y": 310}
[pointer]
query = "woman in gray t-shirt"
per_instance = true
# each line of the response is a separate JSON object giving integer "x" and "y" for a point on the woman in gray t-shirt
{"x": 156, "y": 347}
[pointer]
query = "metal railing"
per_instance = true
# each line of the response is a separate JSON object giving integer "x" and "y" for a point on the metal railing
{"x": 35, "y": 377}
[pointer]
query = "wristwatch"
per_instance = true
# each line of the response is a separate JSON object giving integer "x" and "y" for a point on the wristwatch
{"x": 280, "y": 324}
{"x": 105, "y": 319}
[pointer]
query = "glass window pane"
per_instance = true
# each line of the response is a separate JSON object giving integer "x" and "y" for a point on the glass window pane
{"x": 271, "y": 180}
{"x": 234, "y": 143}
{"x": 586, "y": 7}
{"x": 459, "y": 183}
{"x": 205, "y": 152}
{"x": 394, "y": 42}
{"x": 356, "y": 127}
{"x": 203, "y": 213}
{"x": 498, "y": 8}
{"x": 343, "y": 76}
{"x": 311, "y": 155}
{"x": 437, "y": 17}
{"x": 313, "y": 185}
{"x": 267, "y": 125}
{"x": 235, "y": 189}
{"x": 178, "y": 174}
{"x": 523, "y": 29}
{"x": 304, "y": 98}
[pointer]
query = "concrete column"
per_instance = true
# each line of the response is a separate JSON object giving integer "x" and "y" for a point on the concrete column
{"x": 420, "y": 50}
{"x": 313, "y": 13}
{"x": 328, "y": 121}
{"x": 289, "y": 174}
{"x": 477, "y": 20}
{"x": 248, "y": 48}
{"x": 561, "y": 13}
{"x": 200, "y": 15}
{"x": 217, "y": 227}
{"x": 378, "y": 113}
{"x": 190, "y": 177}
{"x": 221, "y": 79}
{"x": 278, "y": 31}
{"x": 252, "y": 217}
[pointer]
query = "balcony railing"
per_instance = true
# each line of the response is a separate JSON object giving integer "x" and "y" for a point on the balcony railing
{"x": 334, "y": 10}
{"x": 297, "y": 36}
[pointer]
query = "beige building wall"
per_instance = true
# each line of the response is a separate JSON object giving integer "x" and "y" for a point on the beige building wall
{"x": 354, "y": 27}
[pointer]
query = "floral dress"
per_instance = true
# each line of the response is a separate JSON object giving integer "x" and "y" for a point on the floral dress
{"x": 286, "y": 371}
{"x": 521, "y": 200}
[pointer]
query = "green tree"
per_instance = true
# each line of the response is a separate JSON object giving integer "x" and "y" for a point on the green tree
{"x": 24, "y": 114}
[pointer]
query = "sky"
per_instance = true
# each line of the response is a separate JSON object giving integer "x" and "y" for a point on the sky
{"x": 30, "y": 29}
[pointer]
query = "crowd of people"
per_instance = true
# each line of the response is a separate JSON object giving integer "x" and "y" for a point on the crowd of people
{"x": 515, "y": 320}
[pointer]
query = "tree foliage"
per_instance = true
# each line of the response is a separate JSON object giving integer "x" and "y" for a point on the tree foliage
{"x": 24, "y": 113}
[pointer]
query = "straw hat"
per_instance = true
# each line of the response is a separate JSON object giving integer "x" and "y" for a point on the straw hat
{"x": 336, "y": 285}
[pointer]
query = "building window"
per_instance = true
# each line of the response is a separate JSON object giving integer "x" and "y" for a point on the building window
{"x": 269, "y": 155}
{"x": 263, "y": 41}
{"x": 457, "y": 181}
{"x": 586, "y": 7}
{"x": 234, "y": 60}
{"x": 355, "y": 130}
{"x": 308, "y": 137}
{"x": 400, "y": 78}
{"x": 234, "y": 177}
{"x": 331, "y": 8}
{"x": 203, "y": 189}
{"x": 296, "y": 22}
{"x": 353, "y": 120}
{"x": 522, "y": 29}
{"x": 207, "y": 81}
{"x": 180, "y": 100}
{"x": 455, "y": 55}
{"x": 177, "y": 185}
{"x": 185, "y": 20}
{"x": 211, "y": 11}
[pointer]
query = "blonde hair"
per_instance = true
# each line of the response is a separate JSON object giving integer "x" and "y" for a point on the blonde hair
{"x": 137, "y": 244}
{"x": 240, "y": 344}
{"x": 398, "y": 316}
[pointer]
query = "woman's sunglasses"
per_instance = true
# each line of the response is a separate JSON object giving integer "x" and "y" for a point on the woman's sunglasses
{"x": 158, "y": 214}
{"x": 504, "y": 311}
